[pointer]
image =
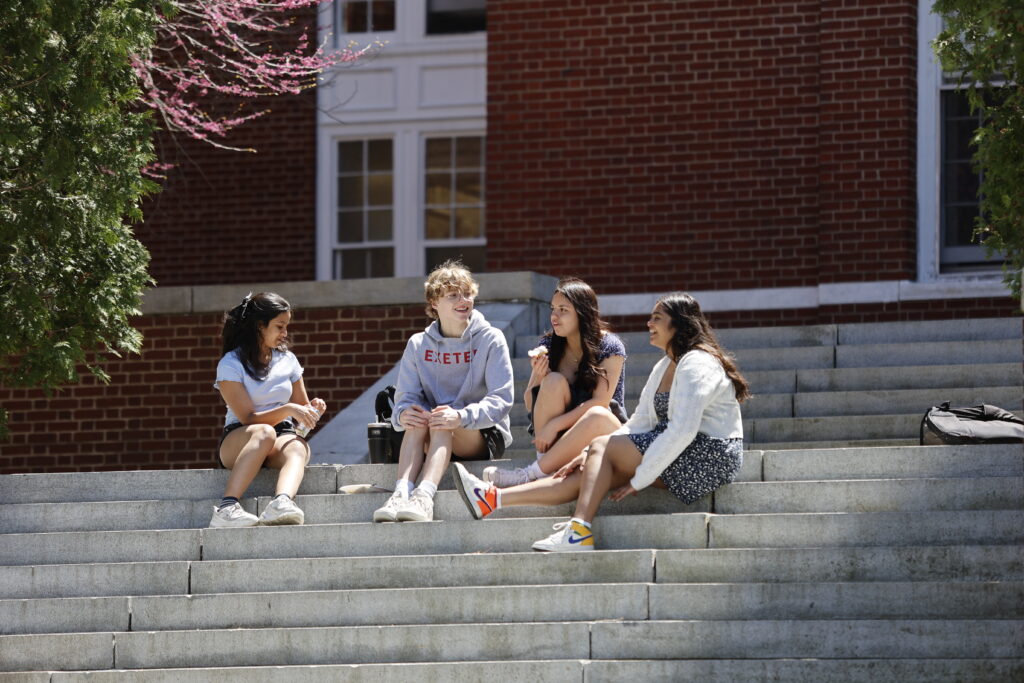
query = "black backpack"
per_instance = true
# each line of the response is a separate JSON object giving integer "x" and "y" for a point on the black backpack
{"x": 975, "y": 425}
{"x": 384, "y": 407}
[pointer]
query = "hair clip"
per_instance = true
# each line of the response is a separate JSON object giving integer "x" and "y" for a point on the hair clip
{"x": 245, "y": 305}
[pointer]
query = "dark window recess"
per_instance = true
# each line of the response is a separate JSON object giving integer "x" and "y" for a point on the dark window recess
{"x": 368, "y": 16}
{"x": 456, "y": 16}
{"x": 959, "y": 180}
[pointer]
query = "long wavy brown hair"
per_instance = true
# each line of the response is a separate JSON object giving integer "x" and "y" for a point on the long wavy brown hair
{"x": 584, "y": 302}
{"x": 692, "y": 331}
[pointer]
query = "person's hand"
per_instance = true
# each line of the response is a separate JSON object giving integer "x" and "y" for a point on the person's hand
{"x": 621, "y": 492}
{"x": 571, "y": 466}
{"x": 305, "y": 415}
{"x": 445, "y": 417}
{"x": 546, "y": 438}
{"x": 414, "y": 417}
{"x": 539, "y": 367}
{"x": 320, "y": 406}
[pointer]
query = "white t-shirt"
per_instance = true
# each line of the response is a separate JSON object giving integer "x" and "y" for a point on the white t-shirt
{"x": 272, "y": 392}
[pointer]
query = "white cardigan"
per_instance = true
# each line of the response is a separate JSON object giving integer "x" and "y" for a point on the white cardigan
{"x": 703, "y": 399}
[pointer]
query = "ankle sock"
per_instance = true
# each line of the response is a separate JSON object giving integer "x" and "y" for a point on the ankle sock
{"x": 580, "y": 521}
{"x": 428, "y": 487}
{"x": 403, "y": 487}
{"x": 226, "y": 501}
{"x": 283, "y": 494}
{"x": 535, "y": 472}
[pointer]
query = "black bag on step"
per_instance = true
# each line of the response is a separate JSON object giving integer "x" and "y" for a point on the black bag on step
{"x": 975, "y": 425}
{"x": 385, "y": 442}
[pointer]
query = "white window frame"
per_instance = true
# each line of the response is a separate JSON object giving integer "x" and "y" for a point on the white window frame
{"x": 930, "y": 85}
{"x": 408, "y": 185}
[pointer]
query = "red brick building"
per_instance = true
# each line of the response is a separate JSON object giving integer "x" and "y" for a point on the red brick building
{"x": 788, "y": 161}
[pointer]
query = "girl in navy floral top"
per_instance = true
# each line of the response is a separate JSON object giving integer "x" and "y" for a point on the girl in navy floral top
{"x": 576, "y": 388}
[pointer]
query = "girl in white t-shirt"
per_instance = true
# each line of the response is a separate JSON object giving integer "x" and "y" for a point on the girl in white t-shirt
{"x": 261, "y": 383}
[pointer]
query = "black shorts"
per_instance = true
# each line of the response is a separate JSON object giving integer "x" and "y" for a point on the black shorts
{"x": 282, "y": 428}
{"x": 576, "y": 398}
{"x": 495, "y": 442}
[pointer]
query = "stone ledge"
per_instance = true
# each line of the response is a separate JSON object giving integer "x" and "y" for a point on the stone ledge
{"x": 516, "y": 286}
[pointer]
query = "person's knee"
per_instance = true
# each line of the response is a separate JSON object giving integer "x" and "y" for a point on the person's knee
{"x": 601, "y": 416}
{"x": 554, "y": 381}
{"x": 597, "y": 447}
{"x": 263, "y": 436}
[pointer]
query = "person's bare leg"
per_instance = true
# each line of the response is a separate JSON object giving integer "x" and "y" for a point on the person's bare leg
{"x": 547, "y": 491}
{"x": 611, "y": 463}
{"x": 243, "y": 452}
{"x": 410, "y": 457}
{"x": 552, "y": 400}
{"x": 291, "y": 455}
{"x": 595, "y": 422}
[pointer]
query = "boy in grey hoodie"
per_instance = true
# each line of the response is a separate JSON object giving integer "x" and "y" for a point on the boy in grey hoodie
{"x": 453, "y": 395}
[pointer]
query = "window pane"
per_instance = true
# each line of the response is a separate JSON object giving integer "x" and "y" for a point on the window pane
{"x": 960, "y": 225}
{"x": 350, "y": 226}
{"x": 456, "y": 16}
{"x": 957, "y": 138}
{"x": 378, "y": 225}
{"x": 438, "y": 224}
{"x": 382, "y": 262}
{"x": 439, "y": 154}
{"x": 383, "y": 15}
{"x": 467, "y": 188}
{"x": 438, "y": 191}
{"x": 468, "y": 152}
{"x": 380, "y": 190}
{"x": 356, "y": 15}
{"x": 473, "y": 257}
{"x": 350, "y": 157}
{"x": 468, "y": 223}
{"x": 350, "y": 191}
{"x": 379, "y": 155}
{"x": 353, "y": 264}
{"x": 960, "y": 184}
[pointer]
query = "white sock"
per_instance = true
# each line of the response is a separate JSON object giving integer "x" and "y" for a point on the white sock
{"x": 535, "y": 471}
{"x": 403, "y": 487}
{"x": 428, "y": 487}
{"x": 577, "y": 519}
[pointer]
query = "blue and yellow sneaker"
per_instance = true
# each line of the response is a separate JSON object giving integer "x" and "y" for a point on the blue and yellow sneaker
{"x": 569, "y": 537}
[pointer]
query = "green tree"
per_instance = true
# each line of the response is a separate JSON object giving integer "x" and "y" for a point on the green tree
{"x": 72, "y": 145}
{"x": 983, "y": 42}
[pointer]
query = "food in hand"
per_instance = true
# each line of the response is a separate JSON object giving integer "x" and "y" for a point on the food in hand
{"x": 537, "y": 352}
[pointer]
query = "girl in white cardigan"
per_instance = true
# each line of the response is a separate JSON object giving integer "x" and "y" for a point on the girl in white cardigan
{"x": 686, "y": 434}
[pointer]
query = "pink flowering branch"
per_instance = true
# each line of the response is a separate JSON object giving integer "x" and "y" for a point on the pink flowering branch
{"x": 209, "y": 50}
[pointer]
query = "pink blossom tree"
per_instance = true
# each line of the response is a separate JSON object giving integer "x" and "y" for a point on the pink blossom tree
{"x": 208, "y": 52}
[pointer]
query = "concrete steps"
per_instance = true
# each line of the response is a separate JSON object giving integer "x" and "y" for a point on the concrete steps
{"x": 877, "y": 560}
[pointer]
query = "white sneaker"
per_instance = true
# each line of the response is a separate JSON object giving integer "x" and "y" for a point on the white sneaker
{"x": 389, "y": 511}
{"x": 569, "y": 537}
{"x": 282, "y": 510}
{"x": 505, "y": 478}
{"x": 479, "y": 496}
{"x": 418, "y": 508}
{"x": 232, "y": 516}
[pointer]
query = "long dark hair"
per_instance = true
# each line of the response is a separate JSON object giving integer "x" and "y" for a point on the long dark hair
{"x": 692, "y": 331}
{"x": 591, "y": 327}
{"x": 243, "y": 325}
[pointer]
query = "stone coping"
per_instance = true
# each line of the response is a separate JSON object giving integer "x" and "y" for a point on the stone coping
{"x": 514, "y": 286}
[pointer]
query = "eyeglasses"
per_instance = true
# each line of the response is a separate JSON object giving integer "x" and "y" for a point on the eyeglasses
{"x": 455, "y": 297}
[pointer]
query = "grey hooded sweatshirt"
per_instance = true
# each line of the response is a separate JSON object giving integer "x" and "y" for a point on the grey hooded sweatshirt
{"x": 471, "y": 374}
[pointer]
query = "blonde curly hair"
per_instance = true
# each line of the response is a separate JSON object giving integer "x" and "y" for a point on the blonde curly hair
{"x": 452, "y": 275}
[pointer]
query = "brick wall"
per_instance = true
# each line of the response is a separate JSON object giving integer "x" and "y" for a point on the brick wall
{"x": 226, "y": 216}
{"x": 712, "y": 145}
{"x": 160, "y": 409}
